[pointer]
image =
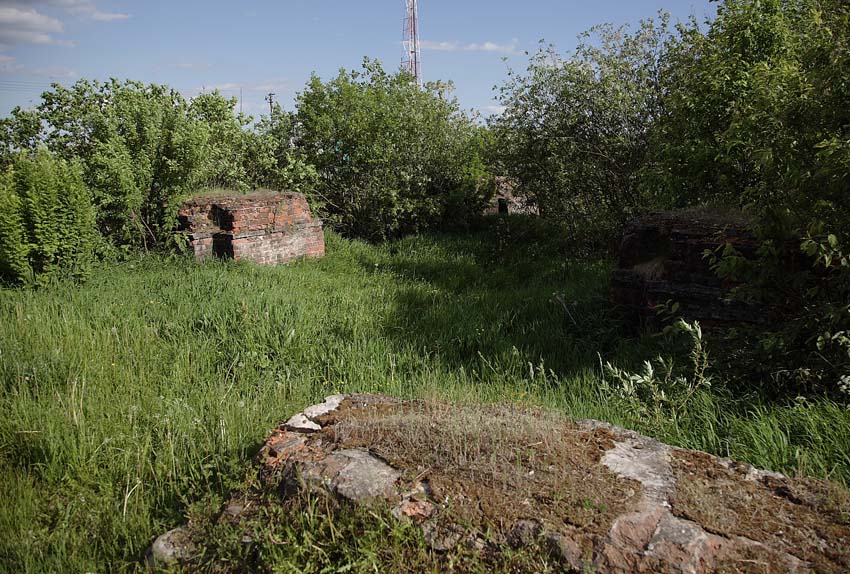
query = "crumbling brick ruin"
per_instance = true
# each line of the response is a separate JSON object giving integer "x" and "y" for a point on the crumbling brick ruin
{"x": 266, "y": 228}
{"x": 505, "y": 201}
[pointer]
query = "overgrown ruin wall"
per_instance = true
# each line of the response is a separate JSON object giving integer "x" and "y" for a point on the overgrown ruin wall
{"x": 661, "y": 259}
{"x": 267, "y": 228}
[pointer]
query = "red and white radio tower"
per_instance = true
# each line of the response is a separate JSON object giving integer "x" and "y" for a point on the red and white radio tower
{"x": 411, "y": 59}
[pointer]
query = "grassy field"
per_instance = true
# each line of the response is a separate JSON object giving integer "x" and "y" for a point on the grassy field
{"x": 135, "y": 399}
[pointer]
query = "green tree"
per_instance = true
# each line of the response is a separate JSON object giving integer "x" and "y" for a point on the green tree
{"x": 756, "y": 116}
{"x": 140, "y": 148}
{"x": 391, "y": 157}
{"x": 574, "y": 133}
{"x": 273, "y": 160}
{"x": 228, "y": 141}
{"x": 756, "y": 112}
{"x": 21, "y": 131}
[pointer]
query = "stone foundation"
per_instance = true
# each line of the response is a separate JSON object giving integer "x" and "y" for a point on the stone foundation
{"x": 268, "y": 228}
{"x": 492, "y": 481}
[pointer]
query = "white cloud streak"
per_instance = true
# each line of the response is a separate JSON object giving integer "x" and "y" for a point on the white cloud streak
{"x": 191, "y": 65}
{"x": 8, "y": 65}
{"x": 453, "y": 46}
{"x": 19, "y": 25}
{"x": 22, "y": 23}
{"x": 277, "y": 86}
{"x": 86, "y": 9}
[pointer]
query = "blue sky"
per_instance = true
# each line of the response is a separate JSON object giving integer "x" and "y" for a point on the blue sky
{"x": 273, "y": 46}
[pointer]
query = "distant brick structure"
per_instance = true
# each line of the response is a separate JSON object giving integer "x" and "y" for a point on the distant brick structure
{"x": 505, "y": 201}
{"x": 267, "y": 228}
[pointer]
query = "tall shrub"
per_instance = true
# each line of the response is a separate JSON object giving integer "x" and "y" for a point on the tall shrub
{"x": 272, "y": 158}
{"x": 756, "y": 112}
{"x": 47, "y": 222}
{"x": 756, "y": 115}
{"x": 140, "y": 148}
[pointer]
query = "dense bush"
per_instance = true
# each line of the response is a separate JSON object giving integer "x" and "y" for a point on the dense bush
{"x": 756, "y": 115}
{"x": 748, "y": 111}
{"x": 145, "y": 148}
{"x": 377, "y": 155}
{"x": 140, "y": 150}
{"x": 756, "y": 112}
{"x": 392, "y": 157}
{"x": 47, "y": 222}
{"x": 273, "y": 161}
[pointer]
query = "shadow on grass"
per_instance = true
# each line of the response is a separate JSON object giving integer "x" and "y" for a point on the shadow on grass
{"x": 473, "y": 298}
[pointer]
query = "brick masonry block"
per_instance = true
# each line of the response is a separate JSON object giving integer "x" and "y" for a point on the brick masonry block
{"x": 267, "y": 228}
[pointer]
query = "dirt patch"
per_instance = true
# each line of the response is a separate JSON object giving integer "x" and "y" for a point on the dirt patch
{"x": 804, "y": 518}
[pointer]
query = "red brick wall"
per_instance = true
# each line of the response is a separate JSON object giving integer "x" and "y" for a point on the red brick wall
{"x": 268, "y": 229}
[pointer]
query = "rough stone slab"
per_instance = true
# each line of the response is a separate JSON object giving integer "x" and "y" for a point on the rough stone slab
{"x": 364, "y": 476}
{"x": 678, "y": 511}
{"x": 355, "y": 475}
{"x": 284, "y": 444}
{"x": 644, "y": 460}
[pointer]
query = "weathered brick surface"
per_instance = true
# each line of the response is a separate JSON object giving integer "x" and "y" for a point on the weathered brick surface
{"x": 269, "y": 229}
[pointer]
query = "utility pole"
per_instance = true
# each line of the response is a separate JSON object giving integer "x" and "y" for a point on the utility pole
{"x": 412, "y": 55}
{"x": 270, "y": 100}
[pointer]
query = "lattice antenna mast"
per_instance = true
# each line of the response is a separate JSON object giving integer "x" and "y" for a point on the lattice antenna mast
{"x": 412, "y": 57}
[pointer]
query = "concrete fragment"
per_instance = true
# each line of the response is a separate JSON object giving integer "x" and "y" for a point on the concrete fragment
{"x": 566, "y": 550}
{"x": 301, "y": 423}
{"x": 441, "y": 537}
{"x": 524, "y": 533}
{"x": 363, "y": 476}
{"x": 285, "y": 444}
{"x": 657, "y": 526}
{"x": 330, "y": 404}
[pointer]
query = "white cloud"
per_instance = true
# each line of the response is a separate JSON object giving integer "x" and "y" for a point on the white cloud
{"x": 8, "y": 64}
{"x": 277, "y": 86}
{"x": 54, "y": 72}
{"x": 452, "y": 46}
{"x": 82, "y": 8}
{"x": 494, "y": 110}
{"x": 88, "y": 9}
{"x": 228, "y": 87}
{"x": 19, "y": 25}
{"x": 271, "y": 86}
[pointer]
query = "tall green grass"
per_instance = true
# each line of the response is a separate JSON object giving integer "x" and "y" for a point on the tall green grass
{"x": 128, "y": 400}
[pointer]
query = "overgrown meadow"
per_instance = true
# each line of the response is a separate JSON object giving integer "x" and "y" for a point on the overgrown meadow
{"x": 139, "y": 398}
{"x": 136, "y": 384}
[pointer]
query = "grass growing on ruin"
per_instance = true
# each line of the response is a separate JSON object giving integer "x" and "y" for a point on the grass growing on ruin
{"x": 131, "y": 400}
